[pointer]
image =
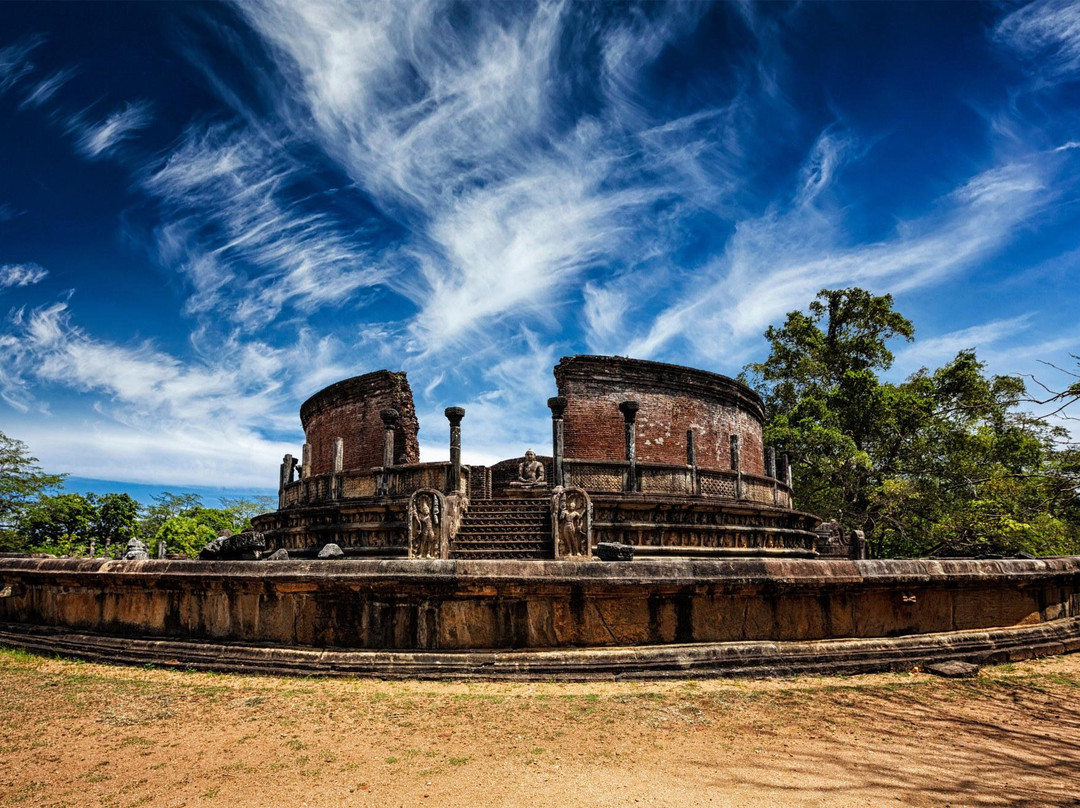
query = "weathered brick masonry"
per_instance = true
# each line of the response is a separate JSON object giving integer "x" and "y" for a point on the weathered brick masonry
{"x": 671, "y": 399}
{"x": 350, "y": 410}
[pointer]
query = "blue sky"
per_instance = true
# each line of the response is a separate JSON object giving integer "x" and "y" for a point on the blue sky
{"x": 208, "y": 212}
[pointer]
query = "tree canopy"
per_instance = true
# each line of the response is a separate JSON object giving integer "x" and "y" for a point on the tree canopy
{"x": 944, "y": 462}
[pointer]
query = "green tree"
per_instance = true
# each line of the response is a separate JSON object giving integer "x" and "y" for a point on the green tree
{"x": 166, "y": 506}
{"x": 21, "y": 482}
{"x": 58, "y": 524}
{"x": 940, "y": 463}
{"x": 182, "y": 535}
{"x": 114, "y": 522}
{"x": 244, "y": 510}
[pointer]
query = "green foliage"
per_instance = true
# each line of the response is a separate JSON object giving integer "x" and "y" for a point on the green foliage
{"x": 166, "y": 506}
{"x": 183, "y": 535}
{"x": 58, "y": 524}
{"x": 114, "y": 522}
{"x": 244, "y": 510}
{"x": 942, "y": 463}
{"x": 21, "y": 482}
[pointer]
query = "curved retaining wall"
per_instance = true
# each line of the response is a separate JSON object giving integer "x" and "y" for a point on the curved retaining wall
{"x": 402, "y": 617}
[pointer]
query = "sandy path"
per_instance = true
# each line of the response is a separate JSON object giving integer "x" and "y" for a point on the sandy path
{"x": 75, "y": 734}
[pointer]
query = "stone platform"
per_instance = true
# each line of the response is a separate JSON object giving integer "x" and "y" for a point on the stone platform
{"x": 542, "y": 618}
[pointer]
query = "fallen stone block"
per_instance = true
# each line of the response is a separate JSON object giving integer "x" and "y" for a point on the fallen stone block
{"x": 952, "y": 669}
{"x": 612, "y": 551}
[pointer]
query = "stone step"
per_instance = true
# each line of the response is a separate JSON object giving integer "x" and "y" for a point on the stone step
{"x": 497, "y": 537}
{"x": 488, "y": 547}
{"x": 490, "y": 555}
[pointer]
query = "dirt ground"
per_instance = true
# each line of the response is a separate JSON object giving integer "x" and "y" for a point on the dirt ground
{"x": 78, "y": 734}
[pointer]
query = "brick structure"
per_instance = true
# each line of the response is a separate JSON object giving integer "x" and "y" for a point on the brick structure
{"x": 665, "y": 458}
{"x": 351, "y": 410}
{"x": 672, "y": 401}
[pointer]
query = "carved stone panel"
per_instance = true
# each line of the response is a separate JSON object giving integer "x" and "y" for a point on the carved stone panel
{"x": 428, "y": 537}
{"x": 571, "y": 522}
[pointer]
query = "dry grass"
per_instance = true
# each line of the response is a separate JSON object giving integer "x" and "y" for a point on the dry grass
{"x": 77, "y": 734}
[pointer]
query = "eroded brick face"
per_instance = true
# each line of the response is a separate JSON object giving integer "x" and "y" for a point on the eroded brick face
{"x": 671, "y": 401}
{"x": 350, "y": 410}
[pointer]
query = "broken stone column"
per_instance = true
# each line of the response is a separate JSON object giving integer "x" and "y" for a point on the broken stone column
{"x": 785, "y": 469}
{"x": 558, "y": 407}
{"x": 691, "y": 461}
{"x": 389, "y": 418}
{"x": 770, "y": 472}
{"x": 736, "y": 464}
{"x": 305, "y": 463}
{"x": 629, "y": 410}
{"x": 285, "y": 476}
{"x": 454, "y": 416}
{"x": 339, "y": 455}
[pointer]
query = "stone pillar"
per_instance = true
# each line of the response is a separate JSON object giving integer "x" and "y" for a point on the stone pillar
{"x": 454, "y": 416}
{"x": 785, "y": 469}
{"x": 339, "y": 455}
{"x": 736, "y": 464}
{"x": 691, "y": 461}
{"x": 558, "y": 407}
{"x": 770, "y": 472}
{"x": 305, "y": 463}
{"x": 389, "y": 418}
{"x": 285, "y": 476}
{"x": 629, "y": 410}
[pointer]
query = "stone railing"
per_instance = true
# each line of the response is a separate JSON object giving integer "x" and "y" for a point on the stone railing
{"x": 659, "y": 478}
{"x": 397, "y": 481}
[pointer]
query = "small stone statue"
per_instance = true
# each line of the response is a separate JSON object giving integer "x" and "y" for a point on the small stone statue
{"x": 571, "y": 518}
{"x": 136, "y": 551}
{"x": 427, "y": 518}
{"x": 531, "y": 472}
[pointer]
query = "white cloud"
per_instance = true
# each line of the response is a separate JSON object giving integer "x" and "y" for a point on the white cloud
{"x": 15, "y": 62}
{"x": 1047, "y": 32}
{"x": 21, "y": 275}
{"x": 243, "y": 241}
{"x": 936, "y": 350}
{"x": 460, "y": 129}
{"x": 101, "y": 138}
{"x": 158, "y": 418}
{"x": 778, "y": 261}
{"x": 47, "y": 88}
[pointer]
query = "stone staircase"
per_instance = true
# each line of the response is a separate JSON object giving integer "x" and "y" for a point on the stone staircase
{"x": 505, "y": 528}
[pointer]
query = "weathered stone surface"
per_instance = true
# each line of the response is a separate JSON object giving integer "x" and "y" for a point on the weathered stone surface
{"x": 244, "y": 546}
{"x": 330, "y": 551}
{"x": 610, "y": 551}
{"x": 279, "y": 555}
{"x": 461, "y": 605}
{"x": 952, "y": 669}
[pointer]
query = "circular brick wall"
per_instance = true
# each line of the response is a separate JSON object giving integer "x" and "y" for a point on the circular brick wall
{"x": 350, "y": 410}
{"x": 672, "y": 400}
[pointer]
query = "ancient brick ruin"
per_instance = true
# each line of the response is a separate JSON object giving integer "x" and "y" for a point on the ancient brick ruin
{"x": 666, "y": 460}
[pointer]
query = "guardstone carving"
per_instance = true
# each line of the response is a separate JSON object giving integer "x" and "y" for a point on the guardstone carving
{"x": 571, "y": 522}
{"x": 428, "y": 524}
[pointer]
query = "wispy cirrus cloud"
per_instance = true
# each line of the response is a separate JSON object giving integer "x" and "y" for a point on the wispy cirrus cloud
{"x": 778, "y": 261}
{"x": 237, "y": 228}
{"x": 462, "y": 131}
{"x": 173, "y": 420}
{"x": 45, "y": 89}
{"x": 1047, "y": 32}
{"x": 97, "y": 139}
{"x": 21, "y": 275}
{"x": 15, "y": 61}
